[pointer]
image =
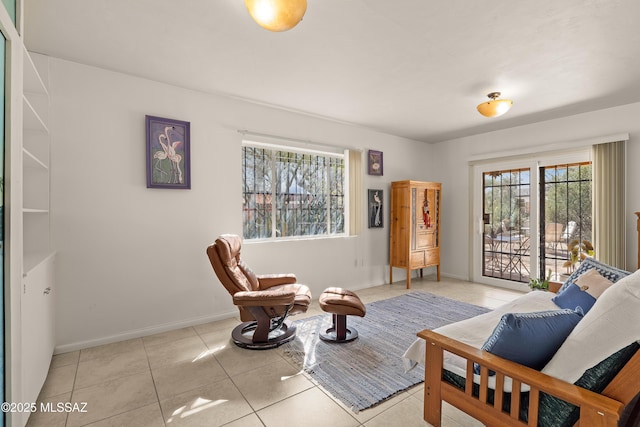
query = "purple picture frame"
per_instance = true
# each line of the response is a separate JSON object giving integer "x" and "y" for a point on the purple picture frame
{"x": 375, "y": 162}
{"x": 168, "y": 153}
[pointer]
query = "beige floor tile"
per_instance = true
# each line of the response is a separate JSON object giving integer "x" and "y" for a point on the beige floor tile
{"x": 271, "y": 383}
{"x": 311, "y": 408}
{"x": 169, "y": 336}
{"x": 59, "y": 380}
{"x": 236, "y": 360}
{"x": 217, "y": 340}
{"x": 217, "y": 404}
{"x": 147, "y": 416}
{"x": 177, "y": 378}
{"x": 111, "y": 366}
{"x": 112, "y": 398}
{"x": 367, "y": 414}
{"x": 226, "y": 325}
{"x": 107, "y": 350}
{"x": 190, "y": 348}
{"x": 250, "y": 420}
{"x": 65, "y": 359}
{"x": 459, "y": 417}
{"x": 407, "y": 413}
{"x": 47, "y": 414}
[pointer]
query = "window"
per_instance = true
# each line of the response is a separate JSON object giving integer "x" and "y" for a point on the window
{"x": 290, "y": 192}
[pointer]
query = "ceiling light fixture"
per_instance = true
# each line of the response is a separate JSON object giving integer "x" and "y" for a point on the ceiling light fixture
{"x": 276, "y": 15}
{"x": 495, "y": 107}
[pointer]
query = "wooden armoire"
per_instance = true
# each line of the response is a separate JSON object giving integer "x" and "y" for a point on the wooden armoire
{"x": 415, "y": 227}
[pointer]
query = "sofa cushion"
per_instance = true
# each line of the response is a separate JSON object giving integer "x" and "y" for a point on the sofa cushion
{"x": 611, "y": 273}
{"x": 531, "y": 339}
{"x": 612, "y": 324}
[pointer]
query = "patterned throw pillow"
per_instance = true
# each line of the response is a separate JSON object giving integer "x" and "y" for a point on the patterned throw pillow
{"x": 612, "y": 274}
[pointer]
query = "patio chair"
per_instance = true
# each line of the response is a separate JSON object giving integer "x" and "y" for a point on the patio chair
{"x": 556, "y": 233}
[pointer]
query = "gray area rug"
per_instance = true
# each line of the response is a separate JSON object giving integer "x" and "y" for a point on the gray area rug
{"x": 369, "y": 370}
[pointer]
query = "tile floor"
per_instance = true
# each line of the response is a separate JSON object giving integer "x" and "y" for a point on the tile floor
{"x": 196, "y": 377}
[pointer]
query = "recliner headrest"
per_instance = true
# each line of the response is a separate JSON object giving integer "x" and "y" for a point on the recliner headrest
{"x": 229, "y": 246}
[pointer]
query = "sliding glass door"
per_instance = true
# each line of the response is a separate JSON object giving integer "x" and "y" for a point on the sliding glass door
{"x": 565, "y": 218}
{"x": 506, "y": 224}
{"x": 532, "y": 218}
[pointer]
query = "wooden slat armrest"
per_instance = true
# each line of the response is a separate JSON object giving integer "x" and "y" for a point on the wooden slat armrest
{"x": 535, "y": 379}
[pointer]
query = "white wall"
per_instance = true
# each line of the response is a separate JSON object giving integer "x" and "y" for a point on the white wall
{"x": 556, "y": 134}
{"x": 131, "y": 260}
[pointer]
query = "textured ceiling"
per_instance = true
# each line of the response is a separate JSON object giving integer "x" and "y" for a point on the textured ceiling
{"x": 412, "y": 68}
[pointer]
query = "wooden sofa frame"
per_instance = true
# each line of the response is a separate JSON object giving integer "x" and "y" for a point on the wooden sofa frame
{"x": 596, "y": 409}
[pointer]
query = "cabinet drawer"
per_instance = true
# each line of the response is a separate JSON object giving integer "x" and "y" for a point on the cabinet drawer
{"x": 432, "y": 257}
{"x": 417, "y": 259}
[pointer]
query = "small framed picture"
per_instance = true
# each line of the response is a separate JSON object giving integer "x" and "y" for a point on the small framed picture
{"x": 168, "y": 153}
{"x": 376, "y": 211}
{"x": 375, "y": 162}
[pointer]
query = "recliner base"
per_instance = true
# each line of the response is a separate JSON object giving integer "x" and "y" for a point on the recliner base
{"x": 242, "y": 336}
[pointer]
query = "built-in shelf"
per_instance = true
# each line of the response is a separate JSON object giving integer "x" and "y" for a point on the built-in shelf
{"x": 32, "y": 82}
{"x": 32, "y": 260}
{"x": 31, "y": 161}
{"x": 32, "y": 120}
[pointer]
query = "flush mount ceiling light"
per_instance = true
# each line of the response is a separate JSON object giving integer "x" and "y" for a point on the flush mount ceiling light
{"x": 495, "y": 107}
{"x": 276, "y": 15}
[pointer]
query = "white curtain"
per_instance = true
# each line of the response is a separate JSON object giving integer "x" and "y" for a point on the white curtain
{"x": 355, "y": 192}
{"x": 609, "y": 208}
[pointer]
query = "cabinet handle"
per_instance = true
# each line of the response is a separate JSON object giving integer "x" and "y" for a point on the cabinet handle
{"x": 47, "y": 290}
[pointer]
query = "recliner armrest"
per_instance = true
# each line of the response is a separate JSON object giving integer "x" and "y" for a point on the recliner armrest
{"x": 264, "y": 298}
{"x": 268, "y": 280}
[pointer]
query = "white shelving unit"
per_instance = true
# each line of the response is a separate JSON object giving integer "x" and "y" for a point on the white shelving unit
{"x": 36, "y": 156}
{"x": 38, "y": 290}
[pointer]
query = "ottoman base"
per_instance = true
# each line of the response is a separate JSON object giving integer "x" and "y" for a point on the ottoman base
{"x": 339, "y": 332}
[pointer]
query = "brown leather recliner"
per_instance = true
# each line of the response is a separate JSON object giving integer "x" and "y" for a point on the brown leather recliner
{"x": 264, "y": 301}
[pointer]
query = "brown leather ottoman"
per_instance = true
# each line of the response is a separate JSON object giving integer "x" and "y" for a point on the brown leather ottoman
{"x": 341, "y": 303}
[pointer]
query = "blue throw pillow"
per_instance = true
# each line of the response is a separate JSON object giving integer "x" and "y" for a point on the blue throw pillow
{"x": 531, "y": 339}
{"x": 573, "y": 297}
{"x": 606, "y": 271}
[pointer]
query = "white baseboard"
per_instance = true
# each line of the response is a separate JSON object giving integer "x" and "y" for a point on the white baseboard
{"x": 143, "y": 332}
{"x": 455, "y": 276}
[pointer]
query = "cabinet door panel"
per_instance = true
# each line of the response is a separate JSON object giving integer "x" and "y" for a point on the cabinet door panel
{"x": 432, "y": 257}
{"x": 417, "y": 259}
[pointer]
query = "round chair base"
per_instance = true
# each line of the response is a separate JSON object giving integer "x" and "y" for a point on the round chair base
{"x": 242, "y": 336}
{"x": 331, "y": 335}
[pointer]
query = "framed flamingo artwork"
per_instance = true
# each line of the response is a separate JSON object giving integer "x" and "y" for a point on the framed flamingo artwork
{"x": 168, "y": 158}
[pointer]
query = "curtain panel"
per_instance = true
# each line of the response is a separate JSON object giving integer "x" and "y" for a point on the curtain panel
{"x": 609, "y": 207}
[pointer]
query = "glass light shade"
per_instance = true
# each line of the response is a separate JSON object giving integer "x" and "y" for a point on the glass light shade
{"x": 276, "y": 15}
{"x": 495, "y": 107}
